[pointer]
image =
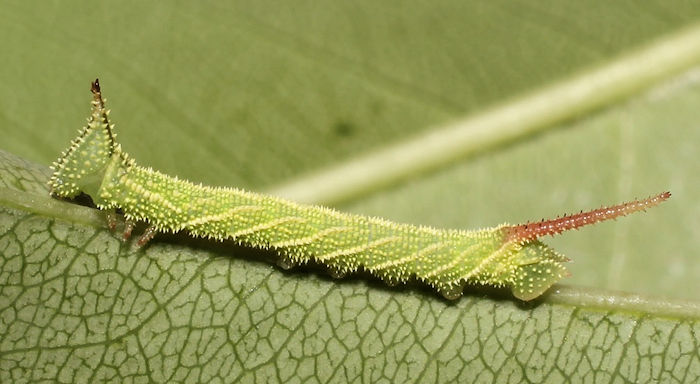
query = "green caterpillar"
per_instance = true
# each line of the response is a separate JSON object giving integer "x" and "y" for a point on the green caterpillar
{"x": 506, "y": 255}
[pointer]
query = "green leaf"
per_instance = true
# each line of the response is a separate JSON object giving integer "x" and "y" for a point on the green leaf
{"x": 257, "y": 94}
{"x": 78, "y": 305}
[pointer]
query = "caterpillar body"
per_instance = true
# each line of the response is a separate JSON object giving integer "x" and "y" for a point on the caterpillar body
{"x": 506, "y": 255}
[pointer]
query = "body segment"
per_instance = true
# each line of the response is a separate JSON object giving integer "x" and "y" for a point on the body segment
{"x": 506, "y": 255}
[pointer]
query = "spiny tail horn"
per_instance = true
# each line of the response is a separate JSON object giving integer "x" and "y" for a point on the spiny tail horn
{"x": 531, "y": 231}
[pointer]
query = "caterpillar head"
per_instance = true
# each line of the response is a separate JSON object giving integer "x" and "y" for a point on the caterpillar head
{"x": 81, "y": 167}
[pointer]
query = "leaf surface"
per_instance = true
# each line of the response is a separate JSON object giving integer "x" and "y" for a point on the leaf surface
{"x": 258, "y": 94}
{"x": 78, "y": 305}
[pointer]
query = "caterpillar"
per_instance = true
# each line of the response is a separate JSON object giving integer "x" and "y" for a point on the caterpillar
{"x": 510, "y": 256}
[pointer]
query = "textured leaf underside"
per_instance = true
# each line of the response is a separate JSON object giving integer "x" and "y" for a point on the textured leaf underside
{"x": 78, "y": 305}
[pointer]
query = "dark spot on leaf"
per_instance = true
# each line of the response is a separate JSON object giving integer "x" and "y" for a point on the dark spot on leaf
{"x": 344, "y": 128}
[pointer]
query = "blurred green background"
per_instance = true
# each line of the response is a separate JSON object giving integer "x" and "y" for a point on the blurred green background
{"x": 255, "y": 94}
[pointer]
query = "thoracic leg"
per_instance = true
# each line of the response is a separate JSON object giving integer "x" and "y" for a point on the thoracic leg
{"x": 128, "y": 227}
{"x": 147, "y": 235}
{"x": 112, "y": 219}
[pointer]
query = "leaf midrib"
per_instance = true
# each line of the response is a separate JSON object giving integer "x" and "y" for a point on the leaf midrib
{"x": 565, "y": 295}
{"x": 540, "y": 110}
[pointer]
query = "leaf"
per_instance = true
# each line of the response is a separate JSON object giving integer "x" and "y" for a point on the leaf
{"x": 78, "y": 305}
{"x": 256, "y": 94}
